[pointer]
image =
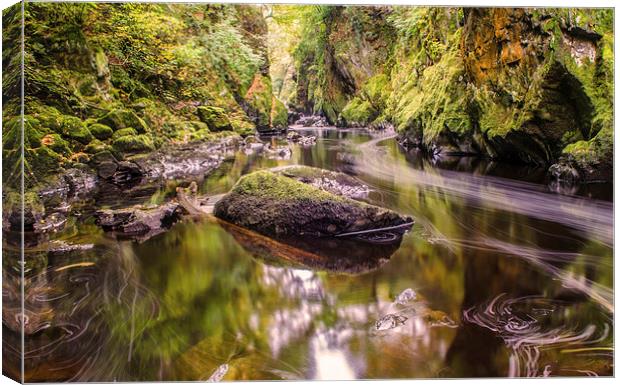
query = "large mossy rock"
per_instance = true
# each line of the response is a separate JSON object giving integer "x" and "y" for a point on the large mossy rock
{"x": 276, "y": 205}
{"x": 119, "y": 118}
{"x": 133, "y": 144}
{"x": 215, "y": 118}
{"x": 100, "y": 131}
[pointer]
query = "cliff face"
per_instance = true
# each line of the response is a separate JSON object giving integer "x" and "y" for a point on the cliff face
{"x": 341, "y": 48}
{"x": 126, "y": 78}
{"x": 525, "y": 85}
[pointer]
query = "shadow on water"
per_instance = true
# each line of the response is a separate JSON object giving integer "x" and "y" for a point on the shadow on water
{"x": 505, "y": 278}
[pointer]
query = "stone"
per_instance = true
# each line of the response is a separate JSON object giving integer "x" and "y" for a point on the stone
{"x": 139, "y": 219}
{"x": 276, "y": 205}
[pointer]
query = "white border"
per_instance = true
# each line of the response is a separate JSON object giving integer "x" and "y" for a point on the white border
{"x": 480, "y": 3}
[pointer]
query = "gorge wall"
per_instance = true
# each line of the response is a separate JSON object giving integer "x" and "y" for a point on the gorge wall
{"x": 124, "y": 79}
{"x": 521, "y": 85}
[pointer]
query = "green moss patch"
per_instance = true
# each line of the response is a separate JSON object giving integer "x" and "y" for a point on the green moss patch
{"x": 133, "y": 144}
{"x": 101, "y": 131}
{"x": 214, "y": 117}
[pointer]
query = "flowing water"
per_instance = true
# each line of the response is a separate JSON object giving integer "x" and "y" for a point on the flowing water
{"x": 501, "y": 275}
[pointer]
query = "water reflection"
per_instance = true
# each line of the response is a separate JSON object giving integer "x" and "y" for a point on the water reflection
{"x": 509, "y": 280}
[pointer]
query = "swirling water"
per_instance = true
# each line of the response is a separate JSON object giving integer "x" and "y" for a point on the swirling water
{"x": 500, "y": 276}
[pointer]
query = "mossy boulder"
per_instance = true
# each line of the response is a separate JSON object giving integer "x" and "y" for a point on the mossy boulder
{"x": 41, "y": 161}
{"x": 95, "y": 147}
{"x": 73, "y": 128}
{"x": 276, "y": 205}
{"x": 33, "y": 210}
{"x": 129, "y": 131}
{"x": 586, "y": 161}
{"x": 215, "y": 118}
{"x": 101, "y": 131}
{"x": 133, "y": 144}
{"x": 120, "y": 118}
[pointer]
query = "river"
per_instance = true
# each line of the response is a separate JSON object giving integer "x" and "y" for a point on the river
{"x": 507, "y": 277}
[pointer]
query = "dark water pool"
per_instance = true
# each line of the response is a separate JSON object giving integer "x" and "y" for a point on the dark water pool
{"x": 507, "y": 278}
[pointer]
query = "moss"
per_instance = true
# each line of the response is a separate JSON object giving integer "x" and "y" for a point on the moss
{"x": 594, "y": 151}
{"x": 129, "y": 131}
{"x": 279, "y": 114}
{"x": 435, "y": 101}
{"x": 96, "y": 146}
{"x": 101, "y": 131}
{"x": 269, "y": 185}
{"x": 242, "y": 126}
{"x": 358, "y": 111}
{"x": 203, "y": 134}
{"x": 40, "y": 162}
{"x": 259, "y": 98}
{"x": 131, "y": 143}
{"x": 73, "y": 128}
{"x": 198, "y": 125}
{"x": 120, "y": 118}
{"x": 33, "y": 133}
{"x": 214, "y": 117}
{"x": 57, "y": 144}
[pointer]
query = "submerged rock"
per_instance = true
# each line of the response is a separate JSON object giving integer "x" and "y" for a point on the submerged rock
{"x": 390, "y": 321}
{"x": 139, "y": 219}
{"x": 406, "y": 296}
{"x": 277, "y": 152}
{"x": 276, "y": 205}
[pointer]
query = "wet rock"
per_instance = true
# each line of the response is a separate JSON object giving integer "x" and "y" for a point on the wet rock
{"x": 390, "y": 321}
{"x": 405, "y": 297}
{"x": 564, "y": 172}
{"x": 312, "y": 121}
{"x": 139, "y": 219}
{"x": 307, "y": 140}
{"x": 190, "y": 201}
{"x": 193, "y": 159}
{"x": 50, "y": 223}
{"x": 293, "y": 136}
{"x": 275, "y": 205}
{"x": 63, "y": 247}
{"x": 277, "y": 152}
{"x": 302, "y": 140}
{"x": 219, "y": 373}
{"x": 106, "y": 169}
